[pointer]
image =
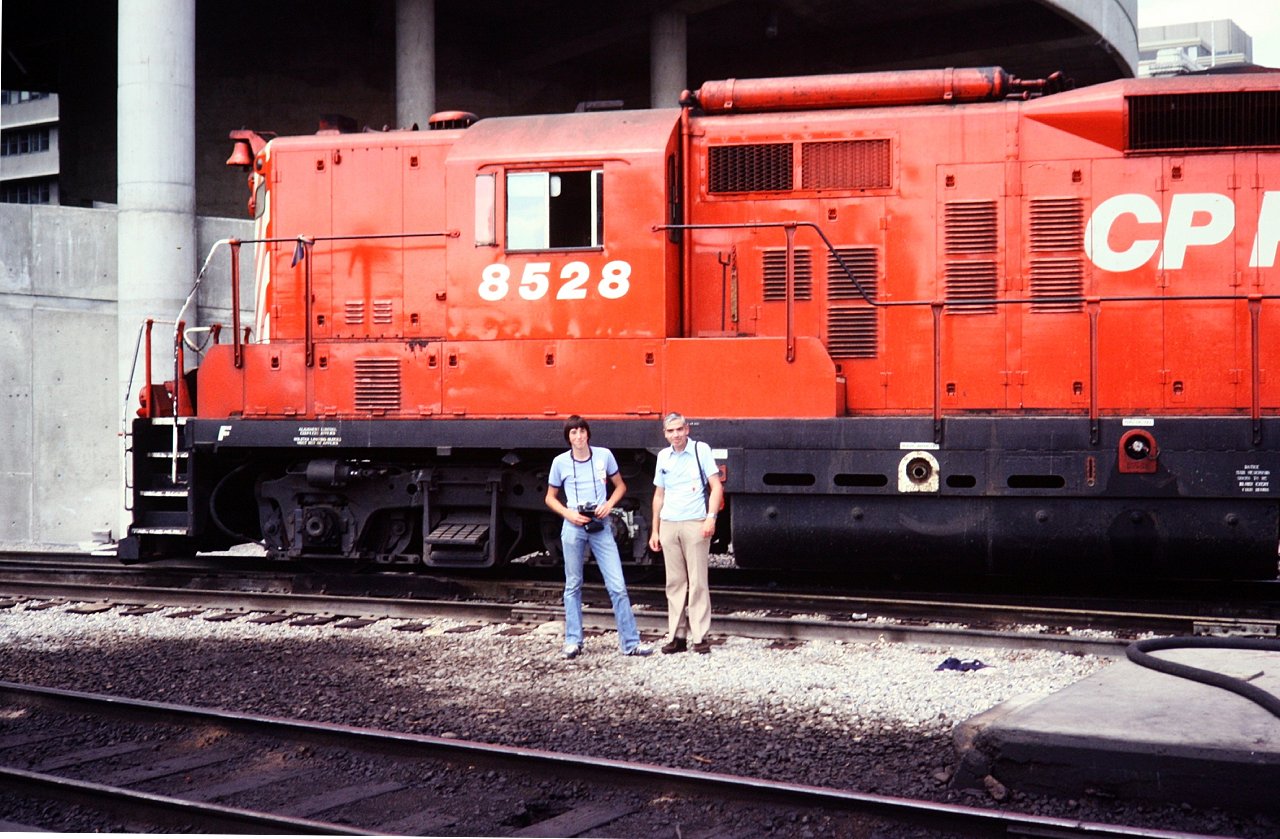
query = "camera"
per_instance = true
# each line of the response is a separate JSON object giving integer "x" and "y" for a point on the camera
{"x": 595, "y": 525}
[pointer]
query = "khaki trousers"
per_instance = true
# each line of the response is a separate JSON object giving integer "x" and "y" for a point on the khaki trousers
{"x": 685, "y": 551}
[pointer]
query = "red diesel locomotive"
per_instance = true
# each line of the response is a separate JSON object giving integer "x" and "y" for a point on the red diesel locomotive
{"x": 946, "y": 319}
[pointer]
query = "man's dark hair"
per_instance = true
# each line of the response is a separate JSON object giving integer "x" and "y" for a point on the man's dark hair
{"x": 573, "y": 422}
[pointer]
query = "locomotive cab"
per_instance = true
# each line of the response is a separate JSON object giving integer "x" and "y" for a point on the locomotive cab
{"x": 559, "y": 287}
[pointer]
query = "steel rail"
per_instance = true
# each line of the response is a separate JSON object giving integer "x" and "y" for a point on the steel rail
{"x": 260, "y": 601}
{"x": 162, "y": 809}
{"x": 955, "y": 818}
{"x": 525, "y": 602}
{"x": 789, "y": 628}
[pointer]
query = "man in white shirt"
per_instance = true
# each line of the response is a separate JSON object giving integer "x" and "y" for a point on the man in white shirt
{"x": 686, "y": 497}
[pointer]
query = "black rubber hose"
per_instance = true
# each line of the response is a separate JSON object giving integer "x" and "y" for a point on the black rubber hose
{"x": 1138, "y": 653}
{"x": 213, "y": 508}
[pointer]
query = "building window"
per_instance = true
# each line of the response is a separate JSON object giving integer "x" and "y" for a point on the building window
{"x": 26, "y": 192}
{"x": 13, "y": 97}
{"x": 24, "y": 141}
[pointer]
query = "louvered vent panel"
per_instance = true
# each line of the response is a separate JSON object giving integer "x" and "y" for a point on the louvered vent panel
{"x": 845, "y": 164}
{"x": 1055, "y": 278}
{"x": 852, "y": 332}
{"x": 861, "y": 263}
{"x": 353, "y": 312}
{"x": 382, "y": 311}
{"x": 377, "y": 384}
{"x": 971, "y": 227}
{"x": 775, "y": 274}
{"x": 971, "y": 288}
{"x": 760, "y": 167}
{"x": 1057, "y": 224}
{"x": 1204, "y": 120}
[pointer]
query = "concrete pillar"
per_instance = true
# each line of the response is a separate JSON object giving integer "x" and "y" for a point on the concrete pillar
{"x": 155, "y": 172}
{"x": 668, "y": 62}
{"x": 415, "y": 62}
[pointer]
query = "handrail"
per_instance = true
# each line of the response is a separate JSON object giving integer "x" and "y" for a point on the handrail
{"x": 149, "y": 380}
{"x": 968, "y": 302}
{"x": 303, "y": 252}
{"x": 234, "y": 245}
{"x": 179, "y": 389}
{"x": 1255, "y": 352}
{"x": 237, "y": 349}
{"x": 1095, "y": 310}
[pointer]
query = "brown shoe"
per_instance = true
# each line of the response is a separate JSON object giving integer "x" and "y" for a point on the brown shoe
{"x": 702, "y": 647}
{"x": 675, "y": 645}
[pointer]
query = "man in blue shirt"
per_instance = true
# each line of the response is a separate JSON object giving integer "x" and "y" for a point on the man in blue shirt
{"x": 686, "y": 497}
{"x": 585, "y": 473}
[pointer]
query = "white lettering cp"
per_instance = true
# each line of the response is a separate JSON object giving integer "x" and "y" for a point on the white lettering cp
{"x": 1195, "y": 219}
{"x": 1267, "y": 241}
{"x": 1097, "y": 232}
{"x": 1219, "y": 219}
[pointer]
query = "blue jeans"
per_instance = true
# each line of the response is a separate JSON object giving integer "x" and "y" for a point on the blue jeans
{"x": 574, "y": 540}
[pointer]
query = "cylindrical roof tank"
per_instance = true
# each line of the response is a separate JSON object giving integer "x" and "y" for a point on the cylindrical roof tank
{"x": 859, "y": 90}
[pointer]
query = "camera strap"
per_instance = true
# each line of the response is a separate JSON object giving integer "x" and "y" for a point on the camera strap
{"x": 591, "y": 466}
{"x": 706, "y": 486}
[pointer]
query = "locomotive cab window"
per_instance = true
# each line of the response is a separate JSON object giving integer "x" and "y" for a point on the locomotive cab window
{"x": 555, "y": 210}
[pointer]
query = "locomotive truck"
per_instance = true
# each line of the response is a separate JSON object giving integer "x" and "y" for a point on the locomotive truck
{"x": 943, "y": 319}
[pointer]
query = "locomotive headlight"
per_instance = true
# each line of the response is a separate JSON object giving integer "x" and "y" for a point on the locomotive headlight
{"x": 1138, "y": 447}
{"x": 918, "y": 472}
{"x": 1138, "y": 452}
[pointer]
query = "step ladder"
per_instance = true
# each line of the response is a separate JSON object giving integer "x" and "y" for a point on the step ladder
{"x": 159, "y": 484}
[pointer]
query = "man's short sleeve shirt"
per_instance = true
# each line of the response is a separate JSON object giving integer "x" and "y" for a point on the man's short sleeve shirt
{"x": 584, "y": 482}
{"x": 682, "y": 481}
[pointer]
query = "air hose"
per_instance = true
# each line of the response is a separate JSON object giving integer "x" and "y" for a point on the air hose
{"x": 1139, "y": 653}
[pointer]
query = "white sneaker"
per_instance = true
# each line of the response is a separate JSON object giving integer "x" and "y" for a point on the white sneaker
{"x": 571, "y": 650}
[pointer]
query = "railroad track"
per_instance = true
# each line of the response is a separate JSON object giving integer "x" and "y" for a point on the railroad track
{"x": 156, "y": 766}
{"x": 247, "y": 590}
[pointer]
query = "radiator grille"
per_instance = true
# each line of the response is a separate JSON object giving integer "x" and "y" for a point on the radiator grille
{"x": 1204, "y": 120}
{"x": 971, "y": 287}
{"x": 852, "y": 332}
{"x": 1057, "y": 278}
{"x": 971, "y": 227}
{"x": 377, "y": 384}
{"x": 861, "y": 262}
{"x": 759, "y": 167}
{"x": 382, "y": 311}
{"x": 845, "y": 164}
{"x": 775, "y": 274}
{"x": 1057, "y": 224}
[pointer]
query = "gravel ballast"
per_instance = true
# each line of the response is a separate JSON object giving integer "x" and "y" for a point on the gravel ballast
{"x": 872, "y": 717}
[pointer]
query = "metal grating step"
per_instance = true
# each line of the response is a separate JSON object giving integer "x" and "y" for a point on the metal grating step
{"x": 469, "y": 535}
